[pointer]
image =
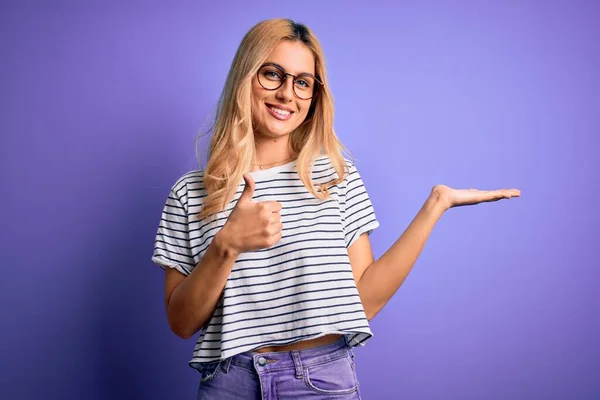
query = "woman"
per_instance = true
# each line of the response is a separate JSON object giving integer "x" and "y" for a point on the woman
{"x": 266, "y": 252}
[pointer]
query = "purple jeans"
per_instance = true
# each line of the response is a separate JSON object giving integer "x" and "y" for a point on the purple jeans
{"x": 324, "y": 372}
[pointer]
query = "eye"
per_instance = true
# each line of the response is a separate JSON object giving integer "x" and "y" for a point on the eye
{"x": 303, "y": 83}
{"x": 272, "y": 75}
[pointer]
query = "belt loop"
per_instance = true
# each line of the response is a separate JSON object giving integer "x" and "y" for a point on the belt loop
{"x": 297, "y": 363}
{"x": 225, "y": 364}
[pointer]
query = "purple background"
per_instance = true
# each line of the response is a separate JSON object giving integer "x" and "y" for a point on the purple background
{"x": 100, "y": 106}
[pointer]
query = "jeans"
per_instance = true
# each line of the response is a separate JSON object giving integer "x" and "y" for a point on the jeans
{"x": 324, "y": 372}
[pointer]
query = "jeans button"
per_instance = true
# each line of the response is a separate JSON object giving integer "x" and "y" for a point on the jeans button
{"x": 262, "y": 361}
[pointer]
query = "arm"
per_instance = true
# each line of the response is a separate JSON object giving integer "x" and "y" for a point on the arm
{"x": 191, "y": 300}
{"x": 378, "y": 281}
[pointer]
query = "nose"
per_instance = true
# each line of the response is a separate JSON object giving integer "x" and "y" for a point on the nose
{"x": 286, "y": 91}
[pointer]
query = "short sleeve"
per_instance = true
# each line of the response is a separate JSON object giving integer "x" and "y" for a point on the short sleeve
{"x": 172, "y": 246}
{"x": 359, "y": 215}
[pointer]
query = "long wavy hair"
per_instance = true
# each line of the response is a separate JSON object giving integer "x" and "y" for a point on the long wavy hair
{"x": 232, "y": 147}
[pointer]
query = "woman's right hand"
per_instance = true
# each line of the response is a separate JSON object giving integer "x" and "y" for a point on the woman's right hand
{"x": 252, "y": 226}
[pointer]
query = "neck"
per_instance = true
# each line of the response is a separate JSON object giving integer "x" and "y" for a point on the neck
{"x": 271, "y": 152}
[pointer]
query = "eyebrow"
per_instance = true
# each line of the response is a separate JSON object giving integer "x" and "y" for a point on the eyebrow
{"x": 279, "y": 66}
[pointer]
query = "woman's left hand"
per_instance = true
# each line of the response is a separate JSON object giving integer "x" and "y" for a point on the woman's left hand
{"x": 465, "y": 197}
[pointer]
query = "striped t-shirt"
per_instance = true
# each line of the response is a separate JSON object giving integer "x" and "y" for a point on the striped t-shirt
{"x": 300, "y": 288}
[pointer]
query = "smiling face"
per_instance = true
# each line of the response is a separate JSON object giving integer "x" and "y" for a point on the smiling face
{"x": 277, "y": 113}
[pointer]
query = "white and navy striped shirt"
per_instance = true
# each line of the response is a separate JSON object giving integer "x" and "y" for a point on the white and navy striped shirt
{"x": 302, "y": 287}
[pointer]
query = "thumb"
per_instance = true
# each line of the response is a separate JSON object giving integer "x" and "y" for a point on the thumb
{"x": 248, "y": 189}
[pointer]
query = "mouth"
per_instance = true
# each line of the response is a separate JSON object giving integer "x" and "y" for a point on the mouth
{"x": 279, "y": 112}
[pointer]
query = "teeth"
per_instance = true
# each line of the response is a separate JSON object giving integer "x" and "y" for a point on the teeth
{"x": 279, "y": 111}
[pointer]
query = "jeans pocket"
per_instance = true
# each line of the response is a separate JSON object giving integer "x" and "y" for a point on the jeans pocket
{"x": 209, "y": 371}
{"x": 333, "y": 377}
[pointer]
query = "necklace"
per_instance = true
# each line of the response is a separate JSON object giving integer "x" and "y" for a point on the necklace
{"x": 267, "y": 165}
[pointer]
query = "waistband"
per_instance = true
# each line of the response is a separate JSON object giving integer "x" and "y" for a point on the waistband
{"x": 293, "y": 359}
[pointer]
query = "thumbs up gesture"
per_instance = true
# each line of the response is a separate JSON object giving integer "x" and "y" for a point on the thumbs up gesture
{"x": 253, "y": 226}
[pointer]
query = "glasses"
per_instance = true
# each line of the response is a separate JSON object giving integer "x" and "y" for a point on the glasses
{"x": 272, "y": 77}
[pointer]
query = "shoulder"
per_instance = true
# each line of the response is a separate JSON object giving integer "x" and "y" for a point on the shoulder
{"x": 188, "y": 190}
{"x": 189, "y": 181}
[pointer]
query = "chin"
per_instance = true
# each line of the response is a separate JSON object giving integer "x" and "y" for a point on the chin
{"x": 276, "y": 131}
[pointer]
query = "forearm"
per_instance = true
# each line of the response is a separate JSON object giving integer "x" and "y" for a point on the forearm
{"x": 193, "y": 302}
{"x": 383, "y": 277}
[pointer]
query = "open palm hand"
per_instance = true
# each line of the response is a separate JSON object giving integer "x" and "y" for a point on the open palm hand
{"x": 464, "y": 197}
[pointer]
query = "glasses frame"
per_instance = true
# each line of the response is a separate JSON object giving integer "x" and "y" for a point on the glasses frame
{"x": 295, "y": 78}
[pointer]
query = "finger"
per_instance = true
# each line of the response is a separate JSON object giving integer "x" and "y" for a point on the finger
{"x": 248, "y": 191}
{"x": 273, "y": 230}
{"x": 272, "y": 206}
{"x": 491, "y": 195}
{"x": 499, "y": 194}
{"x": 273, "y": 240}
{"x": 507, "y": 194}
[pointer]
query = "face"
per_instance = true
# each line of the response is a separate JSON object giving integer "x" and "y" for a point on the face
{"x": 276, "y": 113}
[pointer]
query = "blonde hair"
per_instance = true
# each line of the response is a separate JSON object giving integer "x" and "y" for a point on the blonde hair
{"x": 231, "y": 149}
